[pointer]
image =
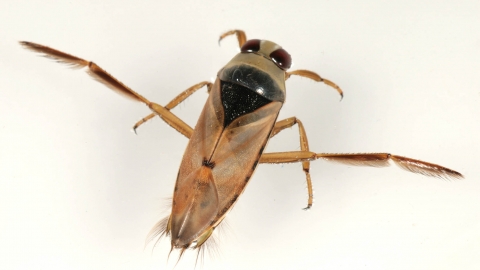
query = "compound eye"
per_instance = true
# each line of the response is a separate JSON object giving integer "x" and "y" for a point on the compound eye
{"x": 281, "y": 58}
{"x": 253, "y": 45}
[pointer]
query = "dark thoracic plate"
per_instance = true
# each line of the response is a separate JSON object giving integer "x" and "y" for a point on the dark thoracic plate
{"x": 254, "y": 79}
{"x": 238, "y": 100}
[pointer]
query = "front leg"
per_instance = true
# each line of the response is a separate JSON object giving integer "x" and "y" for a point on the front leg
{"x": 314, "y": 76}
{"x": 241, "y": 36}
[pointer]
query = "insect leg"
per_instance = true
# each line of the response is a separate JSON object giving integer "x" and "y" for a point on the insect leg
{"x": 364, "y": 159}
{"x": 177, "y": 100}
{"x": 102, "y": 76}
{"x": 314, "y": 76}
{"x": 241, "y": 37}
{"x": 289, "y": 122}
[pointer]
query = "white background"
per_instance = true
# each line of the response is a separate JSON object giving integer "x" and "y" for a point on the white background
{"x": 80, "y": 191}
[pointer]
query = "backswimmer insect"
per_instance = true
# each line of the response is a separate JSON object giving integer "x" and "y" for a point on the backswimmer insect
{"x": 227, "y": 144}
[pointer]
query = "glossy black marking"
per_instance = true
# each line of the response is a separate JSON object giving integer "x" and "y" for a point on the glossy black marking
{"x": 209, "y": 164}
{"x": 255, "y": 80}
{"x": 238, "y": 100}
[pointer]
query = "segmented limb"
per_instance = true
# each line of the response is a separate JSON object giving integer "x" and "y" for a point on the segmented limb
{"x": 314, "y": 76}
{"x": 177, "y": 100}
{"x": 102, "y": 76}
{"x": 289, "y": 122}
{"x": 241, "y": 37}
{"x": 364, "y": 159}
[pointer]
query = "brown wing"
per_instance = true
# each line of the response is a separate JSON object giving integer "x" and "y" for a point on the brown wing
{"x": 188, "y": 220}
{"x": 238, "y": 152}
{"x": 205, "y": 136}
{"x": 194, "y": 206}
{"x": 216, "y": 166}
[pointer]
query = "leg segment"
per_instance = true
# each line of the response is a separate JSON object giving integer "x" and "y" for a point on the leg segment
{"x": 177, "y": 100}
{"x": 241, "y": 37}
{"x": 314, "y": 76}
{"x": 289, "y": 122}
{"x": 364, "y": 159}
{"x": 102, "y": 76}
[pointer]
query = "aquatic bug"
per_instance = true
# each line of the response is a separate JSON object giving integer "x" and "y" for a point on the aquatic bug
{"x": 227, "y": 144}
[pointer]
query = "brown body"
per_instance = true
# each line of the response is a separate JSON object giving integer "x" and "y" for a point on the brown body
{"x": 217, "y": 164}
{"x": 227, "y": 143}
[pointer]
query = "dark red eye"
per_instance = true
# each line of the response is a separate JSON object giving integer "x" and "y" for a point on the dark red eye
{"x": 281, "y": 58}
{"x": 253, "y": 45}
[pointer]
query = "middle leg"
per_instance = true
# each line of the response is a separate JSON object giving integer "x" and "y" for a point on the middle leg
{"x": 289, "y": 122}
{"x": 177, "y": 100}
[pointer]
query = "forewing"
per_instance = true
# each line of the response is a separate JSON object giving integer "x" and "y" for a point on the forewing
{"x": 205, "y": 136}
{"x": 195, "y": 199}
{"x": 238, "y": 152}
{"x": 195, "y": 206}
{"x": 216, "y": 166}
